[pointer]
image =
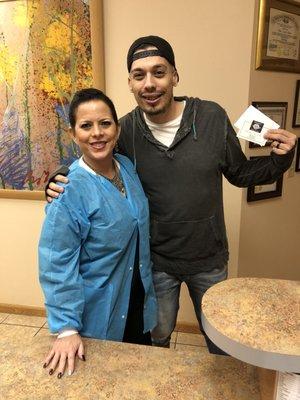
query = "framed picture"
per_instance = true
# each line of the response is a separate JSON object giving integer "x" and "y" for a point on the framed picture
{"x": 278, "y": 40}
{"x": 297, "y": 163}
{"x": 296, "y": 114}
{"x": 46, "y": 56}
{"x": 277, "y": 111}
{"x": 262, "y": 192}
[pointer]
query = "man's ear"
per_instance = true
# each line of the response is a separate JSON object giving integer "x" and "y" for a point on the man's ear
{"x": 129, "y": 84}
{"x": 175, "y": 78}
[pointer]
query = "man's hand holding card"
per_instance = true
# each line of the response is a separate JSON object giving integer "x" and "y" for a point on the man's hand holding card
{"x": 256, "y": 127}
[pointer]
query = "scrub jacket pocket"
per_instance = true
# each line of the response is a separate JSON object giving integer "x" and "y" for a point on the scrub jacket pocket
{"x": 97, "y": 311}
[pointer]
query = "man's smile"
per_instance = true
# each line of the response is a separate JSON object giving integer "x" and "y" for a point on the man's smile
{"x": 152, "y": 98}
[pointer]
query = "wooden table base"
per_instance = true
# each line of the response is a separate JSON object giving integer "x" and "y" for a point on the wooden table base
{"x": 267, "y": 383}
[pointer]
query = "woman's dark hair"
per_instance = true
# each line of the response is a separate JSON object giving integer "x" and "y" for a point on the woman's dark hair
{"x": 85, "y": 95}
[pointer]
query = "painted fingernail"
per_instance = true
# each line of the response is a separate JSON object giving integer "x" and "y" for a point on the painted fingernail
{"x": 59, "y": 375}
{"x": 45, "y": 365}
{"x": 83, "y": 357}
{"x": 51, "y": 371}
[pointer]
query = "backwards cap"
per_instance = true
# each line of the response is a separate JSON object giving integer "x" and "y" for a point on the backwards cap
{"x": 164, "y": 50}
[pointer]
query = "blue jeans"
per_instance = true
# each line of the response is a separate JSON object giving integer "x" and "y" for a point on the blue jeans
{"x": 167, "y": 289}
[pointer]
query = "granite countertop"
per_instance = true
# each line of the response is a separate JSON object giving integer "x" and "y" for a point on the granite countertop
{"x": 119, "y": 371}
{"x": 262, "y": 315}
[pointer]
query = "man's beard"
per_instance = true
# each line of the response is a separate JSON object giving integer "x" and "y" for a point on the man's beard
{"x": 158, "y": 111}
{"x": 154, "y": 112}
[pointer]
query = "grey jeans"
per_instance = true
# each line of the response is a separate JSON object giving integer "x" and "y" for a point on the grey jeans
{"x": 167, "y": 289}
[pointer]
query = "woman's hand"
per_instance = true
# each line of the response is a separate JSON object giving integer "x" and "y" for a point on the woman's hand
{"x": 63, "y": 355}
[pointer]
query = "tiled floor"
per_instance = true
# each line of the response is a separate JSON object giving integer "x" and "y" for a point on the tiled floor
{"x": 38, "y": 325}
{"x": 31, "y": 325}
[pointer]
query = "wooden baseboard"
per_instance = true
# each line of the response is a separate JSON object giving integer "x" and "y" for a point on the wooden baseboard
{"x": 184, "y": 327}
{"x": 23, "y": 310}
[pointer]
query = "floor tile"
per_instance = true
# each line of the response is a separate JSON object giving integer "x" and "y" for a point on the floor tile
{"x": 8, "y": 332}
{"x": 26, "y": 320}
{"x": 173, "y": 337}
{"x": 44, "y": 332}
{"x": 193, "y": 339}
{"x": 3, "y": 316}
{"x": 183, "y": 347}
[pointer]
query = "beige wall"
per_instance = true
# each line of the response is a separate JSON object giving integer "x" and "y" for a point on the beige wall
{"x": 212, "y": 44}
{"x": 20, "y": 228}
{"x": 270, "y": 229}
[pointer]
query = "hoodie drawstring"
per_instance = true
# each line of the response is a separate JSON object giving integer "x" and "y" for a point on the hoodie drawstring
{"x": 195, "y": 135}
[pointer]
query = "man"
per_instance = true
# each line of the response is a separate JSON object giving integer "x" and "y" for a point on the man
{"x": 181, "y": 147}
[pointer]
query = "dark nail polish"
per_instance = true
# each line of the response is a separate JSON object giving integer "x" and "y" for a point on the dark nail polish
{"x": 59, "y": 375}
{"x": 83, "y": 357}
{"x": 51, "y": 371}
{"x": 45, "y": 365}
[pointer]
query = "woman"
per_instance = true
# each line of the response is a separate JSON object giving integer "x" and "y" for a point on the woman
{"x": 94, "y": 254}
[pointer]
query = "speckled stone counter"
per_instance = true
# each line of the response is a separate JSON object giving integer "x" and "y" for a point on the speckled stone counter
{"x": 256, "y": 320}
{"x": 119, "y": 371}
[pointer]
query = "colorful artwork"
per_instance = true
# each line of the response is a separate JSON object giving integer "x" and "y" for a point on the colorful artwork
{"x": 45, "y": 56}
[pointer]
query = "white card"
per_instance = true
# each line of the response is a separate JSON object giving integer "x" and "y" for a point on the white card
{"x": 253, "y": 124}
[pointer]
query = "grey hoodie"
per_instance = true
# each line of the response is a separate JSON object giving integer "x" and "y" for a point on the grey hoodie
{"x": 183, "y": 183}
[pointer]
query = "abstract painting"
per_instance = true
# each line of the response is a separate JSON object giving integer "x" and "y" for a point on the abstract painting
{"x": 45, "y": 56}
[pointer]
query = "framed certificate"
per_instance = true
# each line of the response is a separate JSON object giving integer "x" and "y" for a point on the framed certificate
{"x": 262, "y": 192}
{"x": 278, "y": 41}
{"x": 297, "y": 164}
{"x": 296, "y": 114}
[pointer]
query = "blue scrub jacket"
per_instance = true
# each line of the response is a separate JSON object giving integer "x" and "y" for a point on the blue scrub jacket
{"x": 87, "y": 253}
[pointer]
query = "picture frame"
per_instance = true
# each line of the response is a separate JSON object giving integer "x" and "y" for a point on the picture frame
{"x": 262, "y": 192}
{"x": 297, "y": 162}
{"x": 278, "y": 44}
{"x": 275, "y": 110}
{"x": 36, "y": 88}
{"x": 296, "y": 113}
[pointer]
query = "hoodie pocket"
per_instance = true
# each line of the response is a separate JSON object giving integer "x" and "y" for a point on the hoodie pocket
{"x": 187, "y": 240}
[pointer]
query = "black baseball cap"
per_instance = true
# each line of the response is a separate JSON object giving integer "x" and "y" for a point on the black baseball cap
{"x": 164, "y": 50}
